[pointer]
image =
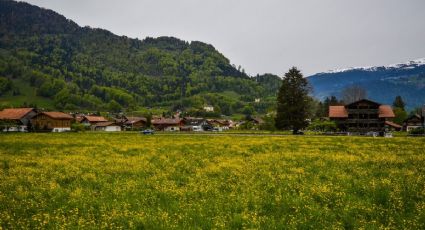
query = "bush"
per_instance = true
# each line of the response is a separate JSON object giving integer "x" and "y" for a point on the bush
{"x": 77, "y": 127}
{"x": 323, "y": 126}
{"x": 417, "y": 131}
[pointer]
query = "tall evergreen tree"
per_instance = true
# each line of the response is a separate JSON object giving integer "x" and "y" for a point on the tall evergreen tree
{"x": 399, "y": 103}
{"x": 292, "y": 102}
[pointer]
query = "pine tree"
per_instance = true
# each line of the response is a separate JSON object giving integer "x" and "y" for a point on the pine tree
{"x": 399, "y": 103}
{"x": 292, "y": 102}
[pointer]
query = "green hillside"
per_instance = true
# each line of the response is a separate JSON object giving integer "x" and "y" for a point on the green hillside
{"x": 50, "y": 61}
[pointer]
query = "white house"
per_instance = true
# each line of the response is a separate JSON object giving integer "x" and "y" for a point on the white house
{"x": 107, "y": 126}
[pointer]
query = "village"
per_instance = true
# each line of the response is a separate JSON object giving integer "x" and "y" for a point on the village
{"x": 360, "y": 117}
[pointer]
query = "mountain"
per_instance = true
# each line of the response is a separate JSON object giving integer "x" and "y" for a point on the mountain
{"x": 48, "y": 60}
{"x": 382, "y": 83}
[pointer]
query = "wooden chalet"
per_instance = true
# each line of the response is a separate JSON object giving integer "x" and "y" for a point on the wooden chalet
{"x": 16, "y": 119}
{"x": 134, "y": 122}
{"x": 413, "y": 122}
{"x": 168, "y": 124}
{"x": 52, "y": 121}
{"x": 92, "y": 120}
{"x": 362, "y": 116}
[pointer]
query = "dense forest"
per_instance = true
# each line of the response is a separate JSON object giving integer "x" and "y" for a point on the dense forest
{"x": 48, "y": 60}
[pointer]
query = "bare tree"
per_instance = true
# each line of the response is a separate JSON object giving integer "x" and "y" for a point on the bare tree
{"x": 353, "y": 93}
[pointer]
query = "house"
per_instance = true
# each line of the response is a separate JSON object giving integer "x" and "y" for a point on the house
{"x": 107, "y": 126}
{"x": 16, "y": 119}
{"x": 92, "y": 120}
{"x": 222, "y": 124}
{"x": 168, "y": 124}
{"x": 195, "y": 124}
{"x": 134, "y": 122}
{"x": 209, "y": 108}
{"x": 54, "y": 121}
{"x": 362, "y": 116}
{"x": 413, "y": 122}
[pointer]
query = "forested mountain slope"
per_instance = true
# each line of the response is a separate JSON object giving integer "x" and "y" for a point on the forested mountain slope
{"x": 51, "y": 61}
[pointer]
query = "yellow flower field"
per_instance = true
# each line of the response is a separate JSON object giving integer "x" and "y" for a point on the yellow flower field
{"x": 127, "y": 180}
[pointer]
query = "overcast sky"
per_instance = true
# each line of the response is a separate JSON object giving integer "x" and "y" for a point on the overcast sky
{"x": 269, "y": 36}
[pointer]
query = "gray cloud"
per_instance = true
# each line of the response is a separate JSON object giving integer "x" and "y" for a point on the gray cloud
{"x": 269, "y": 35}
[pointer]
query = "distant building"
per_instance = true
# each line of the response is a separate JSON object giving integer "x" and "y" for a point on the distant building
{"x": 168, "y": 124}
{"x": 16, "y": 119}
{"x": 412, "y": 122}
{"x": 107, "y": 126}
{"x": 52, "y": 121}
{"x": 363, "y": 116}
{"x": 131, "y": 123}
{"x": 92, "y": 120}
{"x": 209, "y": 108}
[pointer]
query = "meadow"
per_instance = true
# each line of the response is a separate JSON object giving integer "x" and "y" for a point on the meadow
{"x": 131, "y": 181}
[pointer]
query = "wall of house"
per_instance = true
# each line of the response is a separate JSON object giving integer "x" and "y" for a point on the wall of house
{"x": 42, "y": 121}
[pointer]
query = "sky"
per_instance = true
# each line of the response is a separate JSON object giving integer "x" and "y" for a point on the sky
{"x": 269, "y": 36}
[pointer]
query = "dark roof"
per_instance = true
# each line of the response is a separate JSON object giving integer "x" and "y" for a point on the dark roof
{"x": 14, "y": 113}
{"x": 363, "y": 100}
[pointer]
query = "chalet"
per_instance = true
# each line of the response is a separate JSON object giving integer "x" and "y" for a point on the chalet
{"x": 168, "y": 124}
{"x": 413, "y": 122}
{"x": 362, "y": 116}
{"x": 222, "y": 124}
{"x": 52, "y": 121}
{"x": 135, "y": 122}
{"x": 107, "y": 126}
{"x": 195, "y": 124}
{"x": 92, "y": 120}
{"x": 16, "y": 119}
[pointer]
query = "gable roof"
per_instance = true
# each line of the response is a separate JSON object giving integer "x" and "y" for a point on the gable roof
{"x": 385, "y": 111}
{"x": 392, "y": 124}
{"x": 132, "y": 120}
{"x": 167, "y": 121}
{"x": 337, "y": 111}
{"x": 58, "y": 115}
{"x": 14, "y": 113}
{"x": 362, "y": 100}
{"x": 95, "y": 118}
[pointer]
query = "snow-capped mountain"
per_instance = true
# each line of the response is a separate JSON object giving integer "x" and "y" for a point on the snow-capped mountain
{"x": 405, "y": 65}
{"x": 382, "y": 83}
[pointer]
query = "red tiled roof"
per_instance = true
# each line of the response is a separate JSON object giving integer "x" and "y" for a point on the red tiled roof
{"x": 392, "y": 124}
{"x": 337, "y": 111}
{"x": 131, "y": 120}
{"x": 385, "y": 111}
{"x": 14, "y": 114}
{"x": 166, "y": 121}
{"x": 58, "y": 115}
{"x": 95, "y": 118}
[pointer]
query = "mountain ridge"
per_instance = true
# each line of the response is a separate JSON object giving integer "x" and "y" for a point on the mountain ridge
{"x": 74, "y": 67}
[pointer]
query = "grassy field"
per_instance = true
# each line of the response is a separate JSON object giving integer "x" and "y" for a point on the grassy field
{"x": 126, "y": 180}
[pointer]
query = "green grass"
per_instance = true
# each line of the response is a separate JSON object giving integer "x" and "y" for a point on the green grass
{"x": 127, "y": 180}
